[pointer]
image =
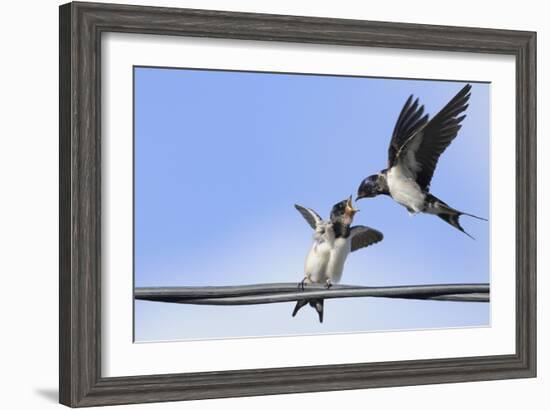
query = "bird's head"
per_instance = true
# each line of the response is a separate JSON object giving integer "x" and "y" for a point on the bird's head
{"x": 369, "y": 187}
{"x": 343, "y": 212}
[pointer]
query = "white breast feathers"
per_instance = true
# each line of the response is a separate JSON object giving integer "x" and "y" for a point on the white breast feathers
{"x": 404, "y": 189}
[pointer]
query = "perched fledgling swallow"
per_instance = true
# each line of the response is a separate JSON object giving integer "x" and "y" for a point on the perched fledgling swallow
{"x": 332, "y": 242}
{"x": 414, "y": 150}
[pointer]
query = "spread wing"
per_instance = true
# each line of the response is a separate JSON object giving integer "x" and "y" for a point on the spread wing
{"x": 408, "y": 123}
{"x": 310, "y": 215}
{"x": 363, "y": 236}
{"x": 418, "y": 143}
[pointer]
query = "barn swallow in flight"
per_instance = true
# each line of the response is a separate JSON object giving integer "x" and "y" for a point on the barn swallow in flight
{"x": 416, "y": 145}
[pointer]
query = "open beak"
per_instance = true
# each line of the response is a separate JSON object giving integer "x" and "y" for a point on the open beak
{"x": 350, "y": 210}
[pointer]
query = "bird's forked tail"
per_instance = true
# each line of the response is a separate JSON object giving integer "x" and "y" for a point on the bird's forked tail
{"x": 448, "y": 214}
{"x": 317, "y": 304}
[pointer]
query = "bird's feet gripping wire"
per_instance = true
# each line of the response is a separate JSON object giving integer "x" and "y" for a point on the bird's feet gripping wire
{"x": 304, "y": 282}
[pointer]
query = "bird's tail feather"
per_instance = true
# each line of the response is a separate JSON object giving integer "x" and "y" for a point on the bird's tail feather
{"x": 451, "y": 215}
{"x": 452, "y": 219}
{"x": 300, "y": 304}
{"x": 473, "y": 216}
{"x": 317, "y": 304}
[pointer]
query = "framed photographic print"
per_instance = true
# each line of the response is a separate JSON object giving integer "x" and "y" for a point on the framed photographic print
{"x": 353, "y": 197}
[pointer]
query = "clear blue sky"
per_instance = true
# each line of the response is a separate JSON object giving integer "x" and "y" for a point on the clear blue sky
{"x": 220, "y": 160}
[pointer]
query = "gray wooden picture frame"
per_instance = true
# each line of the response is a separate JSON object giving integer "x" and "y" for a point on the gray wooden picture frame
{"x": 81, "y": 27}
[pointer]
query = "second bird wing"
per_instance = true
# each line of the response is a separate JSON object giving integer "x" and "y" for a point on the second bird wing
{"x": 310, "y": 216}
{"x": 363, "y": 236}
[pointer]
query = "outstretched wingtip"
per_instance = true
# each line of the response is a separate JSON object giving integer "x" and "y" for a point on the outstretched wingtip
{"x": 466, "y": 91}
{"x": 311, "y": 217}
